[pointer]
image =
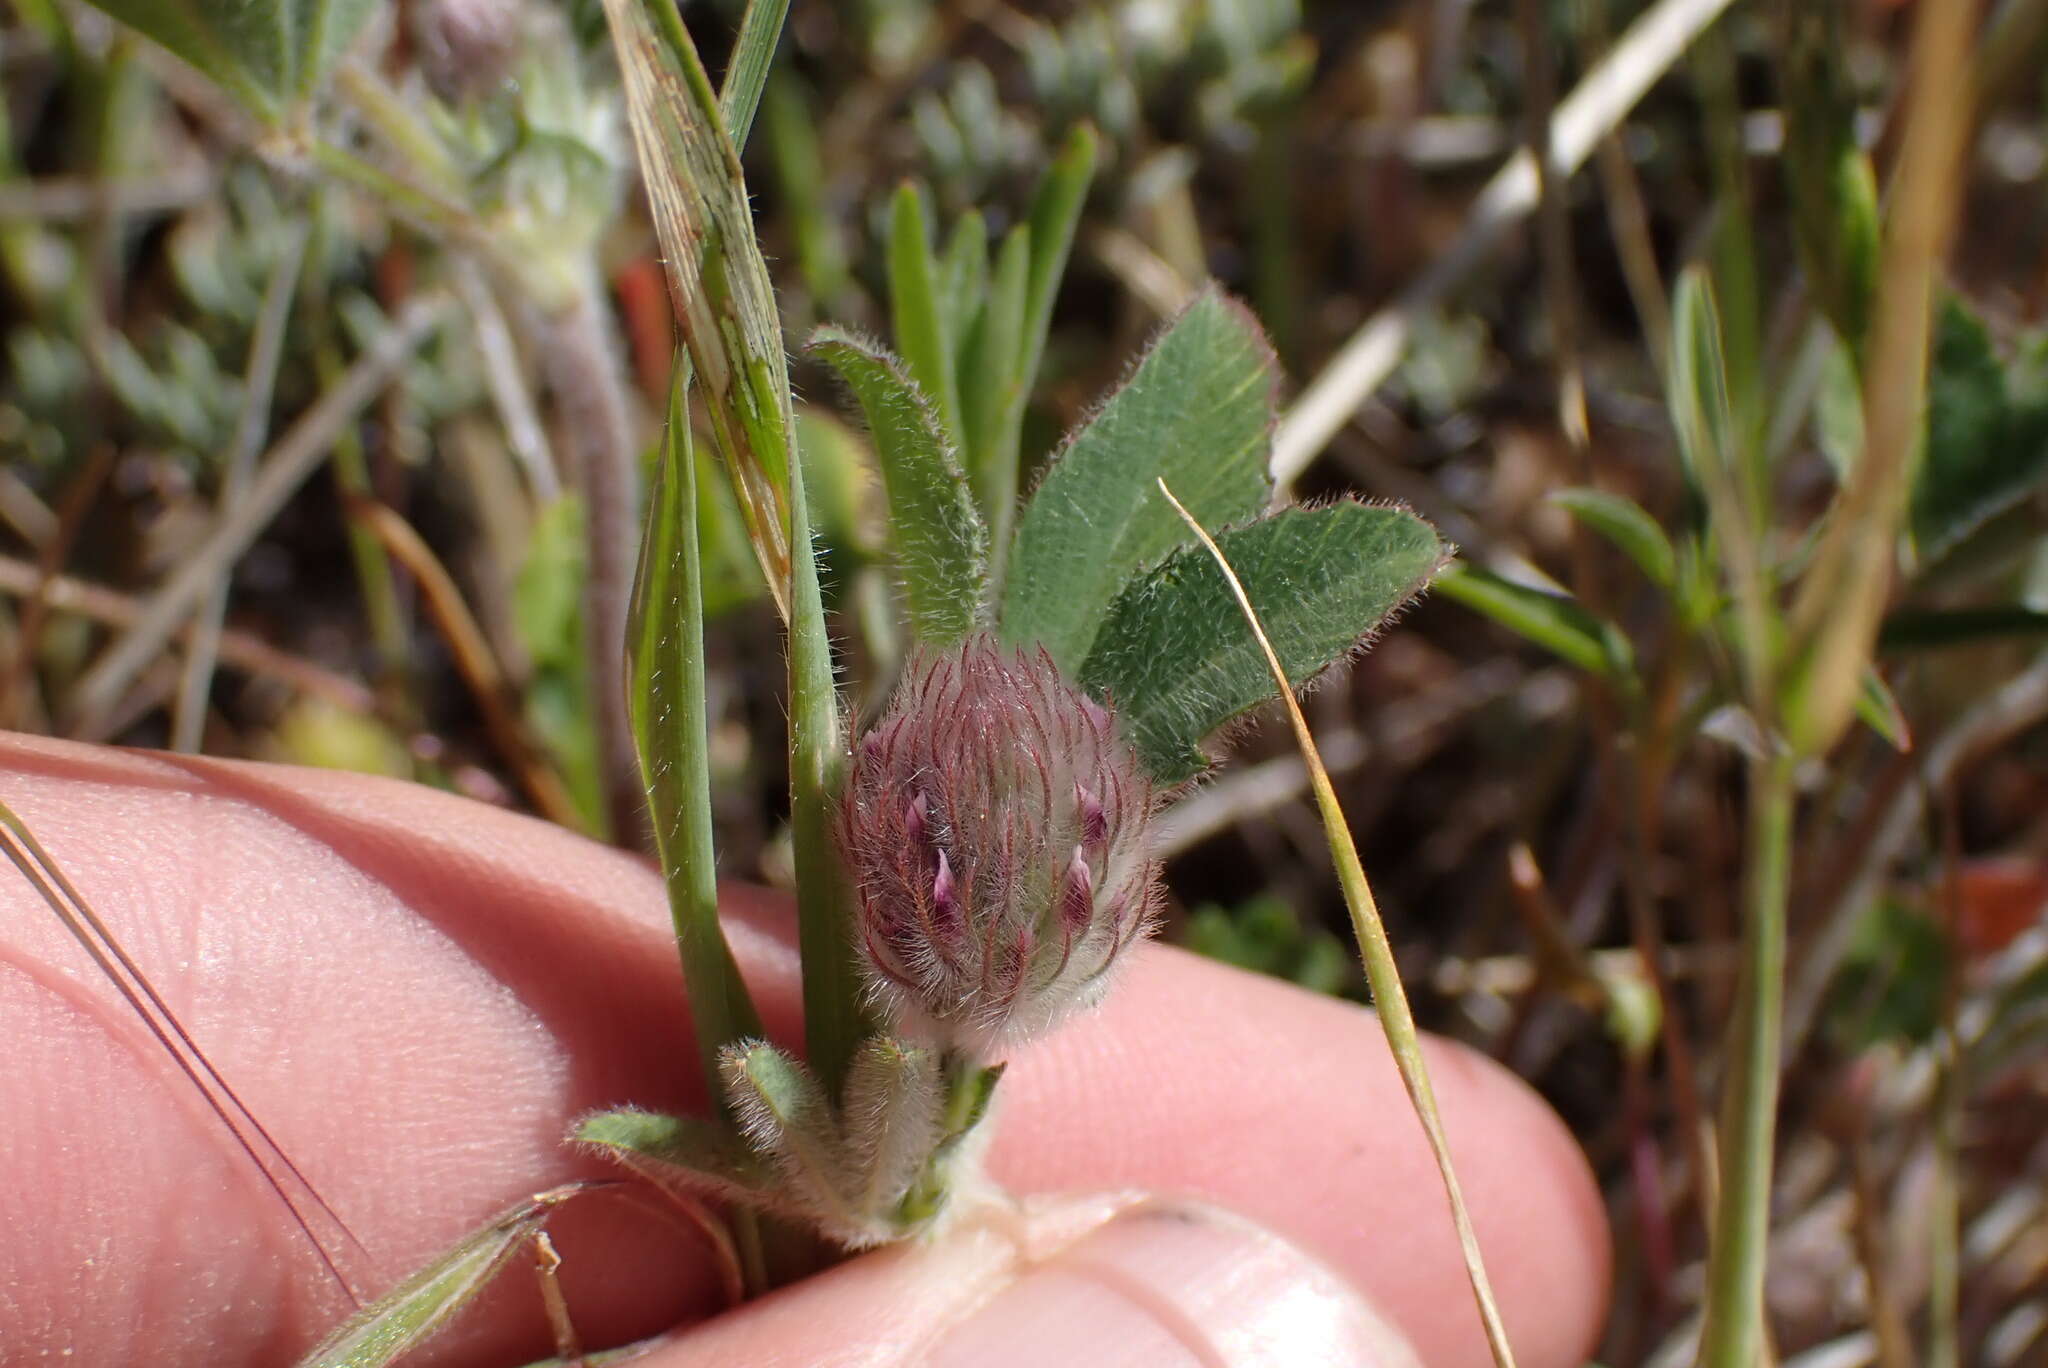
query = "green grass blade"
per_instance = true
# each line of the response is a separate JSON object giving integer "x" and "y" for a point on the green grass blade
{"x": 665, "y": 660}
{"x": 799, "y": 167}
{"x": 719, "y": 285}
{"x": 1382, "y": 974}
{"x": 426, "y": 1302}
{"x": 963, "y": 286}
{"x": 753, "y": 52}
{"x": 940, "y": 545}
{"x": 718, "y": 282}
{"x": 921, "y": 317}
{"x": 1198, "y": 410}
{"x": 992, "y": 391}
{"x": 1180, "y": 663}
{"x": 1054, "y": 217}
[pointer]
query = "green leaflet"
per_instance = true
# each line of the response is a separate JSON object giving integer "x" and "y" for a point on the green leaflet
{"x": 940, "y": 544}
{"x": 269, "y": 54}
{"x": 424, "y": 1303}
{"x": 1198, "y": 412}
{"x": 1177, "y": 657}
{"x": 1987, "y": 430}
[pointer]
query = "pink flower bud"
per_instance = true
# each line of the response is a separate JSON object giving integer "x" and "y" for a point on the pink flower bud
{"x": 994, "y": 825}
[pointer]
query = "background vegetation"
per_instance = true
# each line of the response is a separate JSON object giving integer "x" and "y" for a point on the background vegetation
{"x": 322, "y": 436}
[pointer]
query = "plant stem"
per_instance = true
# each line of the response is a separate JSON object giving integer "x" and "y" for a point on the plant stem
{"x": 266, "y": 347}
{"x": 586, "y": 371}
{"x": 1734, "y": 1332}
{"x": 835, "y": 1022}
{"x": 278, "y": 477}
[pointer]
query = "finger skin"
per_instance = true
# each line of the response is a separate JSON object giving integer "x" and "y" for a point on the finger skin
{"x": 417, "y": 993}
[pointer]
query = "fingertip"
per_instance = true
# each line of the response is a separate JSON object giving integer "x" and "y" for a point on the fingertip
{"x": 1109, "y": 1281}
{"x": 1286, "y": 1106}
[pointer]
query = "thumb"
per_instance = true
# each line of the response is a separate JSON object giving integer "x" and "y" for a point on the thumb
{"x": 1106, "y": 1281}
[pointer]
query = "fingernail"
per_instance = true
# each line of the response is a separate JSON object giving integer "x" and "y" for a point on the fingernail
{"x": 1169, "y": 1284}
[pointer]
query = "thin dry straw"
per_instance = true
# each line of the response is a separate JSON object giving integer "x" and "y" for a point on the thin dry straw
{"x": 1378, "y": 954}
{"x": 85, "y": 926}
{"x": 1583, "y": 118}
{"x": 284, "y": 469}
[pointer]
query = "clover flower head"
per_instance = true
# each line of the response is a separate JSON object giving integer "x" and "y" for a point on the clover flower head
{"x": 995, "y": 826}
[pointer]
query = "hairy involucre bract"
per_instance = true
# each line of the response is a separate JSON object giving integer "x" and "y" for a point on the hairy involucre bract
{"x": 995, "y": 825}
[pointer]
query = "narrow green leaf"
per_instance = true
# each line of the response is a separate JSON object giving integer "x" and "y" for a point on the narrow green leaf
{"x": 1180, "y": 662}
{"x": 1828, "y": 176}
{"x": 1054, "y": 217}
{"x": 1987, "y": 430}
{"x": 799, "y": 167}
{"x": 1838, "y": 411}
{"x": 719, "y": 286}
{"x": 920, "y": 316}
{"x": 939, "y": 542}
{"x": 665, "y": 692}
{"x": 963, "y": 285}
{"x": 424, "y": 1303}
{"x": 1881, "y": 712}
{"x": 1197, "y": 411}
{"x": 718, "y": 282}
{"x": 1555, "y": 622}
{"x": 753, "y": 52}
{"x": 1697, "y": 380}
{"x": 1626, "y": 524}
{"x": 992, "y": 391}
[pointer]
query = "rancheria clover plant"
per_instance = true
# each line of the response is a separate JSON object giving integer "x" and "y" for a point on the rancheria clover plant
{"x": 973, "y": 863}
{"x": 973, "y": 866}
